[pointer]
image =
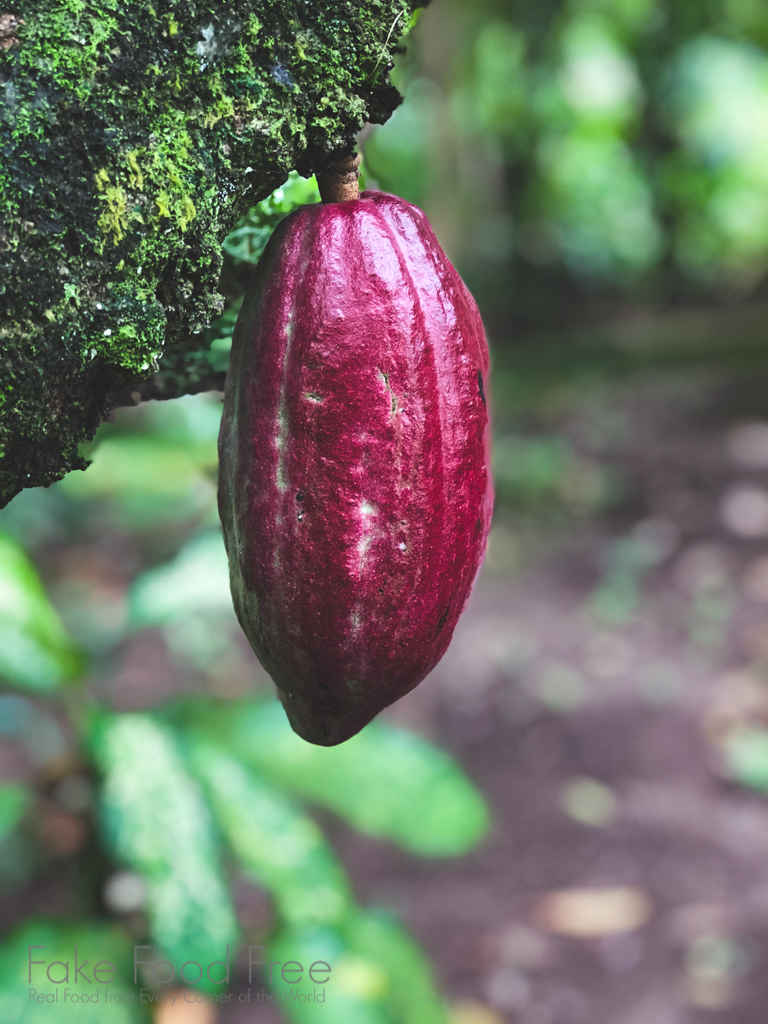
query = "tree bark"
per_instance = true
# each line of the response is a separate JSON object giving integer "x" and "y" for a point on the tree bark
{"x": 133, "y": 136}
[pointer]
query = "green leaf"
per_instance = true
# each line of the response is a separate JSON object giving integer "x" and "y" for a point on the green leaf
{"x": 196, "y": 581}
{"x": 354, "y": 992}
{"x": 95, "y": 943}
{"x": 249, "y": 238}
{"x": 384, "y": 781}
{"x": 14, "y": 800}
{"x": 378, "y": 973}
{"x": 156, "y": 821}
{"x": 279, "y": 846}
{"x": 36, "y": 653}
{"x": 411, "y": 996}
{"x": 746, "y": 755}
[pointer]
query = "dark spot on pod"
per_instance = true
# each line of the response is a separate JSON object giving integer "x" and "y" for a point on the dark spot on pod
{"x": 300, "y": 495}
{"x": 330, "y": 704}
{"x": 443, "y": 618}
{"x": 480, "y": 385}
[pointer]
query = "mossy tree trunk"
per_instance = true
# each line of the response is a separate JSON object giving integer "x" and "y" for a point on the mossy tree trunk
{"x": 133, "y": 135}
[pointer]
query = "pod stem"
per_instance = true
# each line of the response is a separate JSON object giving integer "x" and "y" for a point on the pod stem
{"x": 337, "y": 180}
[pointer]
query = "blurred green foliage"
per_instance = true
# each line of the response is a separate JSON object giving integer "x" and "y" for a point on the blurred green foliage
{"x": 746, "y": 757}
{"x": 35, "y": 651}
{"x": 278, "y": 846}
{"x": 575, "y": 145}
{"x": 391, "y": 769}
{"x": 14, "y": 800}
{"x": 95, "y": 942}
{"x": 382, "y": 975}
{"x": 155, "y": 821}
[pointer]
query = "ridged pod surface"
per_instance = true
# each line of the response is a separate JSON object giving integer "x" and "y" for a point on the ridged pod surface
{"x": 355, "y": 490}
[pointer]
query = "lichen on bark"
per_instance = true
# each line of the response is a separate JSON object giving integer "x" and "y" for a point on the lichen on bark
{"x": 133, "y": 135}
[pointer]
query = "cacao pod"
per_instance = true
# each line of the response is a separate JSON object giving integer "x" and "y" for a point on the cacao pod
{"x": 355, "y": 489}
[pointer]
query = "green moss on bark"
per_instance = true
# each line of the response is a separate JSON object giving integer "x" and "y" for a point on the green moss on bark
{"x": 133, "y": 135}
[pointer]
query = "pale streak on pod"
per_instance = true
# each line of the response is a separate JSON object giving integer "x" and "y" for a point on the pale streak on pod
{"x": 355, "y": 488}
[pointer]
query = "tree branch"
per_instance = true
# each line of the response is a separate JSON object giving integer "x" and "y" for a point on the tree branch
{"x": 164, "y": 386}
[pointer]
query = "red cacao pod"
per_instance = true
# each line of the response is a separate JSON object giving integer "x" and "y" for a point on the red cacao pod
{"x": 354, "y": 488}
